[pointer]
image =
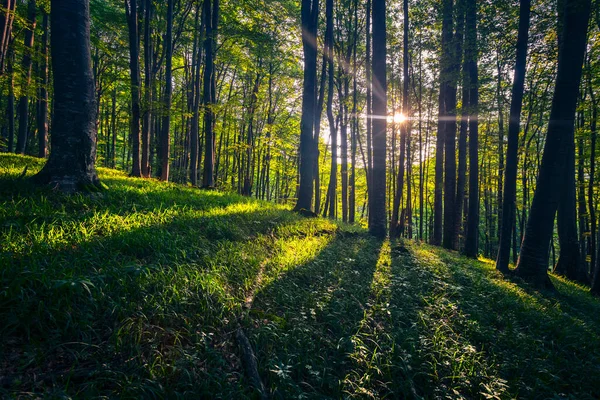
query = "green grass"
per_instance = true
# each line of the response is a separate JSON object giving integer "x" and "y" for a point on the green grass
{"x": 135, "y": 292}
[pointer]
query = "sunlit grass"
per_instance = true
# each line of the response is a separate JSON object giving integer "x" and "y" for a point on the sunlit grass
{"x": 134, "y": 292}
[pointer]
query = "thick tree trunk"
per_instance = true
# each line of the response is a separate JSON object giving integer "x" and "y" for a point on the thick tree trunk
{"x": 310, "y": 17}
{"x": 514, "y": 123}
{"x": 569, "y": 260}
{"x": 533, "y": 260}
{"x": 71, "y": 163}
{"x": 377, "y": 209}
{"x": 472, "y": 236}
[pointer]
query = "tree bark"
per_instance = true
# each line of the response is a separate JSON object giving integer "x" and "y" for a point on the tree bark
{"x": 131, "y": 13}
{"x": 533, "y": 259}
{"x": 512, "y": 151}
{"x": 310, "y": 17}
{"x": 71, "y": 163}
{"x": 445, "y": 66}
{"x": 26, "y": 70}
{"x": 377, "y": 223}
{"x": 42, "y": 120}
{"x": 472, "y": 236}
{"x": 165, "y": 136}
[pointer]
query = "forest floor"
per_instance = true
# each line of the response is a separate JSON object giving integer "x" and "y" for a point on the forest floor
{"x": 137, "y": 292}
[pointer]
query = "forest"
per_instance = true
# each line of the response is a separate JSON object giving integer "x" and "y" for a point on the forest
{"x": 299, "y": 199}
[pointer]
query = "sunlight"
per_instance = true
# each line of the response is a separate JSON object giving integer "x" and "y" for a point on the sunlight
{"x": 397, "y": 118}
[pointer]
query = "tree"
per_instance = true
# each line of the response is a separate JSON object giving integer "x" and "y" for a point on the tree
{"x": 211, "y": 17}
{"x": 42, "y": 117}
{"x": 70, "y": 166}
{"x": 445, "y": 76}
{"x": 472, "y": 237}
{"x": 26, "y": 69}
{"x": 377, "y": 209}
{"x": 6, "y": 22}
{"x": 135, "y": 77}
{"x": 309, "y": 19}
{"x": 397, "y": 226}
{"x": 514, "y": 126}
{"x": 165, "y": 135}
{"x": 532, "y": 264}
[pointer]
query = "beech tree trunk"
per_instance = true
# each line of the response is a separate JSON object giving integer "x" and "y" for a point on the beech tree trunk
{"x": 310, "y": 17}
{"x": 377, "y": 209}
{"x": 445, "y": 66}
{"x": 134, "y": 71}
{"x": 70, "y": 166}
{"x": 148, "y": 83}
{"x": 533, "y": 259}
{"x": 514, "y": 123}
{"x": 165, "y": 136}
{"x": 472, "y": 236}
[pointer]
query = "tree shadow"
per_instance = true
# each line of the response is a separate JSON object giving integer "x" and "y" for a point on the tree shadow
{"x": 303, "y": 322}
{"x": 106, "y": 308}
{"x": 520, "y": 342}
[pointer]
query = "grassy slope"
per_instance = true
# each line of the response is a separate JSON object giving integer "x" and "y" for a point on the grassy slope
{"x": 134, "y": 292}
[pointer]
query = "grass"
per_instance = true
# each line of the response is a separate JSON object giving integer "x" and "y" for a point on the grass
{"x": 136, "y": 292}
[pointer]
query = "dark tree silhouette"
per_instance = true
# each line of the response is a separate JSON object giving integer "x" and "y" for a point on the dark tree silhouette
{"x": 70, "y": 166}
{"x": 472, "y": 236}
{"x": 131, "y": 14}
{"x": 210, "y": 20}
{"x": 445, "y": 65}
{"x": 514, "y": 123}
{"x": 377, "y": 209}
{"x": 26, "y": 70}
{"x": 42, "y": 115}
{"x": 165, "y": 142}
{"x": 533, "y": 259}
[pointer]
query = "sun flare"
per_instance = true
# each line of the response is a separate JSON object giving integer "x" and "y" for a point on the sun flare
{"x": 397, "y": 118}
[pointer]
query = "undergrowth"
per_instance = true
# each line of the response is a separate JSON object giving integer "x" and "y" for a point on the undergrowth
{"x": 135, "y": 292}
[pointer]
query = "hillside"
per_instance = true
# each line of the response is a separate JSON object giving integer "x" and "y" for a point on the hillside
{"x": 138, "y": 291}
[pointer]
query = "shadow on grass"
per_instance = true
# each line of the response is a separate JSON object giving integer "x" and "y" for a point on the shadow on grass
{"x": 137, "y": 312}
{"x": 304, "y": 321}
{"x": 517, "y": 341}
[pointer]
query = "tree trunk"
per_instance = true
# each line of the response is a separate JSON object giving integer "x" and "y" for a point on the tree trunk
{"x": 26, "y": 70}
{"x": 6, "y": 23}
{"x": 396, "y": 225}
{"x": 377, "y": 209}
{"x": 310, "y": 17}
{"x": 512, "y": 151}
{"x": 472, "y": 236}
{"x": 134, "y": 71}
{"x": 165, "y": 139}
{"x": 533, "y": 259}
{"x": 445, "y": 66}
{"x": 43, "y": 93}
{"x": 71, "y": 163}
{"x": 148, "y": 83}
